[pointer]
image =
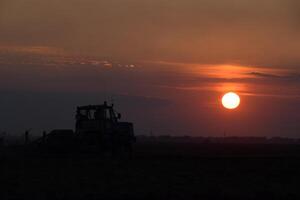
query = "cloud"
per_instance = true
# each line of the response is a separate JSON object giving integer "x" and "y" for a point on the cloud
{"x": 265, "y": 75}
{"x": 285, "y": 77}
{"x": 43, "y": 56}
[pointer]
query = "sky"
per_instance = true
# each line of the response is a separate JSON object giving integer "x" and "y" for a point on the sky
{"x": 165, "y": 64}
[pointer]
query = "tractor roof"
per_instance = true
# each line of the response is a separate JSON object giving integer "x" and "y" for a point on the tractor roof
{"x": 95, "y": 107}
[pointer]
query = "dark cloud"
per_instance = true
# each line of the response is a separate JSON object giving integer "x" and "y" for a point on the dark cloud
{"x": 265, "y": 75}
{"x": 21, "y": 110}
{"x": 287, "y": 77}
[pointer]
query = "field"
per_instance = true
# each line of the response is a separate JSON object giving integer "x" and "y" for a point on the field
{"x": 156, "y": 171}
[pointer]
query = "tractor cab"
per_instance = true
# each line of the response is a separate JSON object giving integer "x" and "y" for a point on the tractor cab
{"x": 96, "y": 118}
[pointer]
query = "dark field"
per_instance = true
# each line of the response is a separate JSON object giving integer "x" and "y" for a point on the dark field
{"x": 157, "y": 171}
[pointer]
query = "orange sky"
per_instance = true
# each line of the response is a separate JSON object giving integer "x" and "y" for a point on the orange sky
{"x": 169, "y": 61}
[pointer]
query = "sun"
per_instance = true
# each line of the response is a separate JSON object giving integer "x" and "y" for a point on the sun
{"x": 231, "y": 100}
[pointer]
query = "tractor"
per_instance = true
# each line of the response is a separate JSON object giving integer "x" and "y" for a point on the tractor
{"x": 99, "y": 126}
{"x": 97, "y": 129}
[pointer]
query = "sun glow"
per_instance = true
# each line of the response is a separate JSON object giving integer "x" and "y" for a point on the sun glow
{"x": 231, "y": 100}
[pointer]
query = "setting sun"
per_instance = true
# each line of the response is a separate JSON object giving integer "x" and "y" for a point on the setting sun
{"x": 231, "y": 100}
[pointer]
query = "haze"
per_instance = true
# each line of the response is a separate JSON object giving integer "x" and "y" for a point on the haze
{"x": 164, "y": 63}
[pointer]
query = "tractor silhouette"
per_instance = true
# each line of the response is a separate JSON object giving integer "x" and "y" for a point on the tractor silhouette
{"x": 97, "y": 129}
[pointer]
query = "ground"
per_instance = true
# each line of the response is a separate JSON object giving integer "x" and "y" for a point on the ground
{"x": 157, "y": 171}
